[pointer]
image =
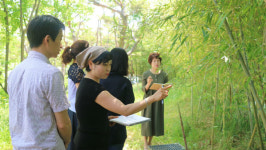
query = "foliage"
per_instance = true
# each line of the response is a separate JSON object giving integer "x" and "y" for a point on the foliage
{"x": 5, "y": 141}
{"x": 192, "y": 34}
{"x": 192, "y": 40}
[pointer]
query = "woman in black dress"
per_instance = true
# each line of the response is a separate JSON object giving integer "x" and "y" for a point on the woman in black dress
{"x": 93, "y": 100}
{"x": 121, "y": 88}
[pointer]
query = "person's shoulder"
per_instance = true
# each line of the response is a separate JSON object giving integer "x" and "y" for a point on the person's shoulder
{"x": 50, "y": 70}
{"x": 126, "y": 80}
{"x": 21, "y": 67}
{"x": 146, "y": 73}
{"x": 164, "y": 73}
{"x": 116, "y": 78}
{"x": 73, "y": 66}
{"x": 53, "y": 69}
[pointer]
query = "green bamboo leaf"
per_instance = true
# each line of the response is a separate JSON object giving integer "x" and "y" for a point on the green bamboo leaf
{"x": 220, "y": 21}
{"x": 177, "y": 26}
{"x": 169, "y": 17}
{"x": 203, "y": 32}
{"x": 182, "y": 42}
{"x": 174, "y": 41}
{"x": 179, "y": 52}
{"x": 180, "y": 18}
{"x": 114, "y": 19}
{"x": 160, "y": 35}
{"x": 209, "y": 17}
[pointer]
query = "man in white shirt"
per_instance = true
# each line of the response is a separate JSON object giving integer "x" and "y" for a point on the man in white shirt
{"x": 38, "y": 105}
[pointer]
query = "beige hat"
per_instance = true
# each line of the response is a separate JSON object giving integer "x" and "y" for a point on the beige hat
{"x": 89, "y": 53}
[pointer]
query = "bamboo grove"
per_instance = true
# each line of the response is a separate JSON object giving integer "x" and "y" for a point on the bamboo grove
{"x": 213, "y": 51}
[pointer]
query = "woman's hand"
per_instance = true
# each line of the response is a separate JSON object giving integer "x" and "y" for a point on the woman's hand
{"x": 149, "y": 80}
{"x": 112, "y": 123}
{"x": 162, "y": 93}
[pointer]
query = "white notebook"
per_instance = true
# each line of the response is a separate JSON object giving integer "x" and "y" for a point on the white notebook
{"x": 130, "y": 120}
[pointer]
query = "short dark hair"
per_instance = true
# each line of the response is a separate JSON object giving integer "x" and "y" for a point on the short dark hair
{"x": 120, "y": 61}
{"x": 154, "y": 55}
{"x": 41, "y": 26}
{"x": 103, "y": 58}
{"x": 71, "y": 52}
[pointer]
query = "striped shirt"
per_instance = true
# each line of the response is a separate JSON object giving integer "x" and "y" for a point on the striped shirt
{"x": 36, "y": 90}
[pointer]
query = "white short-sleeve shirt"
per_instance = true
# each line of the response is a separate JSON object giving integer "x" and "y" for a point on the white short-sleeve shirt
{"x": 36, "y": 91}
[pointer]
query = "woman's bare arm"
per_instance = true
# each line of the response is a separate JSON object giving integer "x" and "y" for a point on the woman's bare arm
{"x": 109, "y": 102}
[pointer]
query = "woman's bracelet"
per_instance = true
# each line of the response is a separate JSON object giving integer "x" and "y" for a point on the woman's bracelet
{"x": 146, "y": 102}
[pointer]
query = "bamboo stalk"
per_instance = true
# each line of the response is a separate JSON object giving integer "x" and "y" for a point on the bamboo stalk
{"x": 184, "y": 135}
{"x": 224, "y": 108}
{"x": 191, "y": 97}
{"x": 264, "y": 63}
{"x": 215, "y": 101}
{"x": 261, "y": 85}
{"x": 254, "y": 92}
{"x": 257, "y": 121}
{"x": 231, "y": 87}
{"x": 249, "y": 113}
{"x": 251, "y": 83}
{"x": 200, "y": 107}
{"x": 246, "y": 62}
{"x": 252, "y": 137}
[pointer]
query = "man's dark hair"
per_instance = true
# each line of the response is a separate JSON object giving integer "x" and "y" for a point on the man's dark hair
{"x": 41, "y": 26}
{"x": 120, "y": 61}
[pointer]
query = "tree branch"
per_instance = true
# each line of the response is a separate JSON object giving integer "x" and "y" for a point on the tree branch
{"x": 118, "y": 3}
{"x": 104, "y": 6}
{"x": 37, "y": 9}
{"x": 3, "y": 88}
{"x": 134, "y": 46}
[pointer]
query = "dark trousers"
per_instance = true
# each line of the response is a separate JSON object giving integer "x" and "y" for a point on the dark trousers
{"x": 74, "y": 123}
{"x": 116, "y": 147}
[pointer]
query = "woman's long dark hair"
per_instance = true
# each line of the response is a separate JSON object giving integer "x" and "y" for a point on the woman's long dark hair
{"x": 120, "y": 61}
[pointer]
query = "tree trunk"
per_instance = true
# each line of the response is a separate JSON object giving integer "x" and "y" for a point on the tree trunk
{"x": 115, "y": 30}
{"x": 22, "y": 33}
{"x": 37, "y": 9}
{"x": 7, "y": 43}
{"x": 97, "y": 33}
{"x": 123, "y": 30}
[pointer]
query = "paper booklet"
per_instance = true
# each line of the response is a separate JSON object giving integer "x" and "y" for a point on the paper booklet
{"x": 157, "y": 86}
{"x": 130, "y": 120}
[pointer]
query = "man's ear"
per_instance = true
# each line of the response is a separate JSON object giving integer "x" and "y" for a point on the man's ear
{"x": 46, "y": 39}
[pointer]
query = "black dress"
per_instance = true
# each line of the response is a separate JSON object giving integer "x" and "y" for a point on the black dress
{"x": 121, "y": 88}
{"x": 93, "y": 126}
